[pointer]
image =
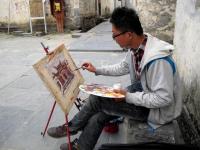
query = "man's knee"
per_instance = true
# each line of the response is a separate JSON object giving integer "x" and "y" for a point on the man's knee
{"x": 93, "y": 100}
{"x": 99, "y": 119}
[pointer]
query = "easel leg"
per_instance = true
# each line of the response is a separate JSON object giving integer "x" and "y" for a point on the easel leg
{"x": 68, "y": 133}
{"x": 52, "y": 110}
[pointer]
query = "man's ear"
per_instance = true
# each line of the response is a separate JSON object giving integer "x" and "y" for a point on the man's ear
{"x": 130, "y": 35}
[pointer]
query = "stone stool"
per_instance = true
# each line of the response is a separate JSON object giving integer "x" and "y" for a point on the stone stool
{"x": 138, "y": 132}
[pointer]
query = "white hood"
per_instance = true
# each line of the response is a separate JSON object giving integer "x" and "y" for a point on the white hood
{"x": 155, "y": 49}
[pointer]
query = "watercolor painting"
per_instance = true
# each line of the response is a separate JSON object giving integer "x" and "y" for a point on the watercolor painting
{"x": 56, "y": 70}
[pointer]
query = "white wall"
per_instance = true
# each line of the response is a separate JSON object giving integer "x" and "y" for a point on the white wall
{"x": 187, "y": 37}
{"x": 19, "y": 11}
{"x": 187, "y": 53}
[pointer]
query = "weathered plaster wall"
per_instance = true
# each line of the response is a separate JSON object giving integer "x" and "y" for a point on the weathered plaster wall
{"x": 19, "y": 11}
{"x": 78, "y": 9}
{"x": 81, "y": 13}
{"x": 87, "y": 7}
{"x": 187, "y": 54}
{"x": 20, "y": 14}
{"x": 157, "y": 17}
{"x": 75, "y": 12}
{"x": 107, "y": 7}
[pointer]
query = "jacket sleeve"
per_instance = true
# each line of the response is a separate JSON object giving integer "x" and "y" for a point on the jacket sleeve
{"x": 159, "y": 80}
{"x": 119, "y": 69}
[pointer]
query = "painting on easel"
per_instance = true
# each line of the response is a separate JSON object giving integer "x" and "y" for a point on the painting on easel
{"x": 57, "y": 72}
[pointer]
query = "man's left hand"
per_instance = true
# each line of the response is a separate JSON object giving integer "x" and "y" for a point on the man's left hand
{"x": 121, "y": 91}
{"x": 119, "y": 99}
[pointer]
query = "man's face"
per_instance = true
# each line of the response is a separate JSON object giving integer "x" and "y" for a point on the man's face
{"x": 122, "y": 38}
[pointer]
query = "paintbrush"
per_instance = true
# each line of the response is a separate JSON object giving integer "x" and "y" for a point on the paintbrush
{"x": 78, "y": 68}
{"x": 82, "y": 67}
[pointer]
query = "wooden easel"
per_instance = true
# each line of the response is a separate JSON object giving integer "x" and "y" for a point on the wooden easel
{"x": 46, "y": 49}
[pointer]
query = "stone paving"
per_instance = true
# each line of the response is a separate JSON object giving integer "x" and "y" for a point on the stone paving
{"x": 25, "y": 102}
{"x": 98, "y": 38}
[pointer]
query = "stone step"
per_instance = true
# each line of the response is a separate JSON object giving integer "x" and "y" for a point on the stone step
{"x": 5, "y": 29}
{"x": 138, "y": 132}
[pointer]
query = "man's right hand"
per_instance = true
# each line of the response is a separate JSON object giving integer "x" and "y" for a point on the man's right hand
{"x": 88, "y": 66}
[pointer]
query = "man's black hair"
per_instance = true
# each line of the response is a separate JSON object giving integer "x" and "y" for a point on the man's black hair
{"x": 126, "y": 19}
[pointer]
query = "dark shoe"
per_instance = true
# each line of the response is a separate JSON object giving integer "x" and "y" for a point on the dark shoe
{"x": 60, "y": 131}
{"x": 74, "y": 145}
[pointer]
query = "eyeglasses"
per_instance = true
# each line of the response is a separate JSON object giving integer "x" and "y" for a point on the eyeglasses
{"x": 114, "y": 36}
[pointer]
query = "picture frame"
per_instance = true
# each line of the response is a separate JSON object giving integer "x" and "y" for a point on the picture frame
{"x": 58, "y": 72}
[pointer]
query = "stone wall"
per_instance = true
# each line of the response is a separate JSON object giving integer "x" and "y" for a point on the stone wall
{"x": 157, "y": 17}
{"x": 187, "y": 54}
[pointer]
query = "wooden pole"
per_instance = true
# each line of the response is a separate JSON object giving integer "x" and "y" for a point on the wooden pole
{"x": 68, "y": 133}
{"x": 9, "y": 16}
